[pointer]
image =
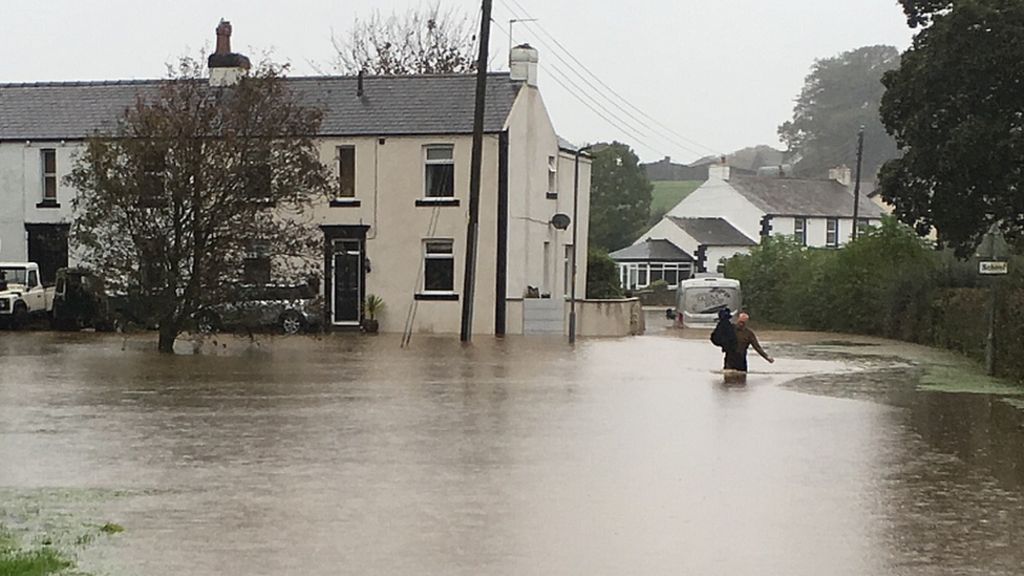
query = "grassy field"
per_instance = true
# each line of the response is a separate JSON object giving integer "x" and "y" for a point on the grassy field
{"x": 667, "y": 194}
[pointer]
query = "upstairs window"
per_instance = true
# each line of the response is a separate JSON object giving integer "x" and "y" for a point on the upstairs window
{"x": 552, "y": 175}
{"x": 832, "y": 233}
{"x": 439, "y": 161}
{"x": 258, "y": 177}
{"x": 49, "y": 162}
{"x": 346, "y": 171}
{"x": 800, "y": 230}
{"x": 154, "y": 165}
{"x": 438, "y": 266}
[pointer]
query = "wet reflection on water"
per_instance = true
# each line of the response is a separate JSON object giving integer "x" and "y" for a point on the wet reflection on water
{"x": 349, "y": 455}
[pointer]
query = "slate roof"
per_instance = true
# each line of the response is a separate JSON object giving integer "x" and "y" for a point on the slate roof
{"x": 712, "y": 231}
{"x": 652, "y": 250}
{"x": 795, "y": 197}
{"x": 391, "y": 105}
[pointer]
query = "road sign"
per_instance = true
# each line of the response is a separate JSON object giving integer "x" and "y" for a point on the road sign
{"x": 993, "y": 268}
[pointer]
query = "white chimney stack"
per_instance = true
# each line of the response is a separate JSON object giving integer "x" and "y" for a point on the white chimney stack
{"x": 841, "y": 174}
{"x": 523, "y": 64}
{"x": 719, "y": 171}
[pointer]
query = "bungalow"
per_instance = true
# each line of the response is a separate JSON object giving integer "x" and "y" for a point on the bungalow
{"x": 400, "y": 148}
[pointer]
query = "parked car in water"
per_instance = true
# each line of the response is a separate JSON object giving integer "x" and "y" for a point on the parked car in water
{"x": 80, "y": 301}
{"x": 288, "y": 309}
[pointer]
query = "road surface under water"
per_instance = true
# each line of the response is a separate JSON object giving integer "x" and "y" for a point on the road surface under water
{"x": 350, "y": 455}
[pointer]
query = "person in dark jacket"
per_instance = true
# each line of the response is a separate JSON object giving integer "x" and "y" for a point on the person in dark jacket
{"x": 724, "y": 335}
{"x": 744, "y": 338}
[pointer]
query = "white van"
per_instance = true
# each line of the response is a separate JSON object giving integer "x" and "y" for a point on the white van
{"x": 698, "y": 300}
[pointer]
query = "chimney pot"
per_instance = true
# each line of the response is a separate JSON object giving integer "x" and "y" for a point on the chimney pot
{"x": 224, "y": 37}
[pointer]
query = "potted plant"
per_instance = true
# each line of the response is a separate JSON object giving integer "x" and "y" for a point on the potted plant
{"x": 372, "y": 306}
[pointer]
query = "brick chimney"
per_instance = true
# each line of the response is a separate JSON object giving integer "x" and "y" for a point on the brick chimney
{"x": 226, "y": 67}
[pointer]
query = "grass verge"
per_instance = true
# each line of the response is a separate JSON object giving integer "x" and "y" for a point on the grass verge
{"x": 38, "y": 561}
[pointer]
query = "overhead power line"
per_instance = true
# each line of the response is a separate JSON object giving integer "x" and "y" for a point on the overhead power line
{"x": 657, "y": 128}
{"x": 586, "y": 98}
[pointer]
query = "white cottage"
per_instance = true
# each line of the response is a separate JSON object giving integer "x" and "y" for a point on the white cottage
{"x": 727, "y": 213}
{"x": 400, "y": 147}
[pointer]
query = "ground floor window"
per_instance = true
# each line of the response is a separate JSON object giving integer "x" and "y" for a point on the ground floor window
{"x": 832, "y": 233}
{"x": 635, "y": 275}
{"x": 438, "y": 266}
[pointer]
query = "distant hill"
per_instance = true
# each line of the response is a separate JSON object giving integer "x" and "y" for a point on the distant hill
{"x": 745, "y": 161}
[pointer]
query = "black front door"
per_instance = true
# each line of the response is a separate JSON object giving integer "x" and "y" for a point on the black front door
{"x": 48, "y": 247}
{"x": 345, "y": 267}
{"x": 347, "y": 282}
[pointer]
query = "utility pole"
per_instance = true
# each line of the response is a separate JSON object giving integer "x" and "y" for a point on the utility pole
{"x": 575, "y": 250}
{"x": 473, "y": 228}
{"x": 856, "y": 185}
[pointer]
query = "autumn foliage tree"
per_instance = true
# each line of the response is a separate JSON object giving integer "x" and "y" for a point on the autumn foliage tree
{"x": 195, "y": 184}
{"x": 421, "y": 41}
{"x": 956, "y": 108}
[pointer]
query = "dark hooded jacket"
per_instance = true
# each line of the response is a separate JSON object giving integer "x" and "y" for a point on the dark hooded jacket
{"x": 724, "y": 334}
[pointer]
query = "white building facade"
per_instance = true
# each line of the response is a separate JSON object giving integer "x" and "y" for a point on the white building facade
{"x": 401, "y": 149}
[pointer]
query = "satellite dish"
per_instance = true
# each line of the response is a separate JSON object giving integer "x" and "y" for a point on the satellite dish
{"x": 560, "y": 221}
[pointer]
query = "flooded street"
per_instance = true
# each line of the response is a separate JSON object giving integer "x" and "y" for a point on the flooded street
{"x": 350, "y": 455}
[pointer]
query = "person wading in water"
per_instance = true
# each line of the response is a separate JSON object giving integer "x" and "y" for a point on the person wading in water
{"x": 745, "y": 338}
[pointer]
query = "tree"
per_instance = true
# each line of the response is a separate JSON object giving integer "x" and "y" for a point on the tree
{"x": 956, "y": 109}
{"x": 840, "y": 95}
{"x": 198, "y": 188}
{"x": 620, "y": 196}
{"x": 419, "y": 42}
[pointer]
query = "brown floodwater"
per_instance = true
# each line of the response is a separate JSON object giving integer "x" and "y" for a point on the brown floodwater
{"x": 352, "y": 455}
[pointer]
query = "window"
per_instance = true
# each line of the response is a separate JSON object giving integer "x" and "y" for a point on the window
{"x": 440, "y": 171}
{"x": 800, "y": 230}
{"x": 346, "y": 171}
{"x": 832, "y": 233}
{"x": 567, "y": 270}
{"x": 438, "y": 266}
{"x": 33, "y": 279}
{"x": 552, "y": 175}
{"x": 862, "y": 225}
{"x": 154, "y": 164}
{"x": 49, "y": 160}
{"x": 258, "y": 177}
{"x": 256, "y": 264}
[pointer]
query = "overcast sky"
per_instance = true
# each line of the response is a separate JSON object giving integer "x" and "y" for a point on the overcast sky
{"x": 715, "y": 75}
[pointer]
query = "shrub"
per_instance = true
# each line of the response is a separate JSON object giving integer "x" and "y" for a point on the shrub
{"x": 602, "y": 276}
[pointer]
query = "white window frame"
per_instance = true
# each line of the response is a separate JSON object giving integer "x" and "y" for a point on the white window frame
{"x": 46, "y": 175}
{"x": 427, "y": 255}
{"x": 338, "y": 152}
{"x": 801, "y": 235}
{"x": 832, "y": 232}
{"x": 567, "y": 255}
{"x": 437, "y": 162}
{"x": 552, "y": 175}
